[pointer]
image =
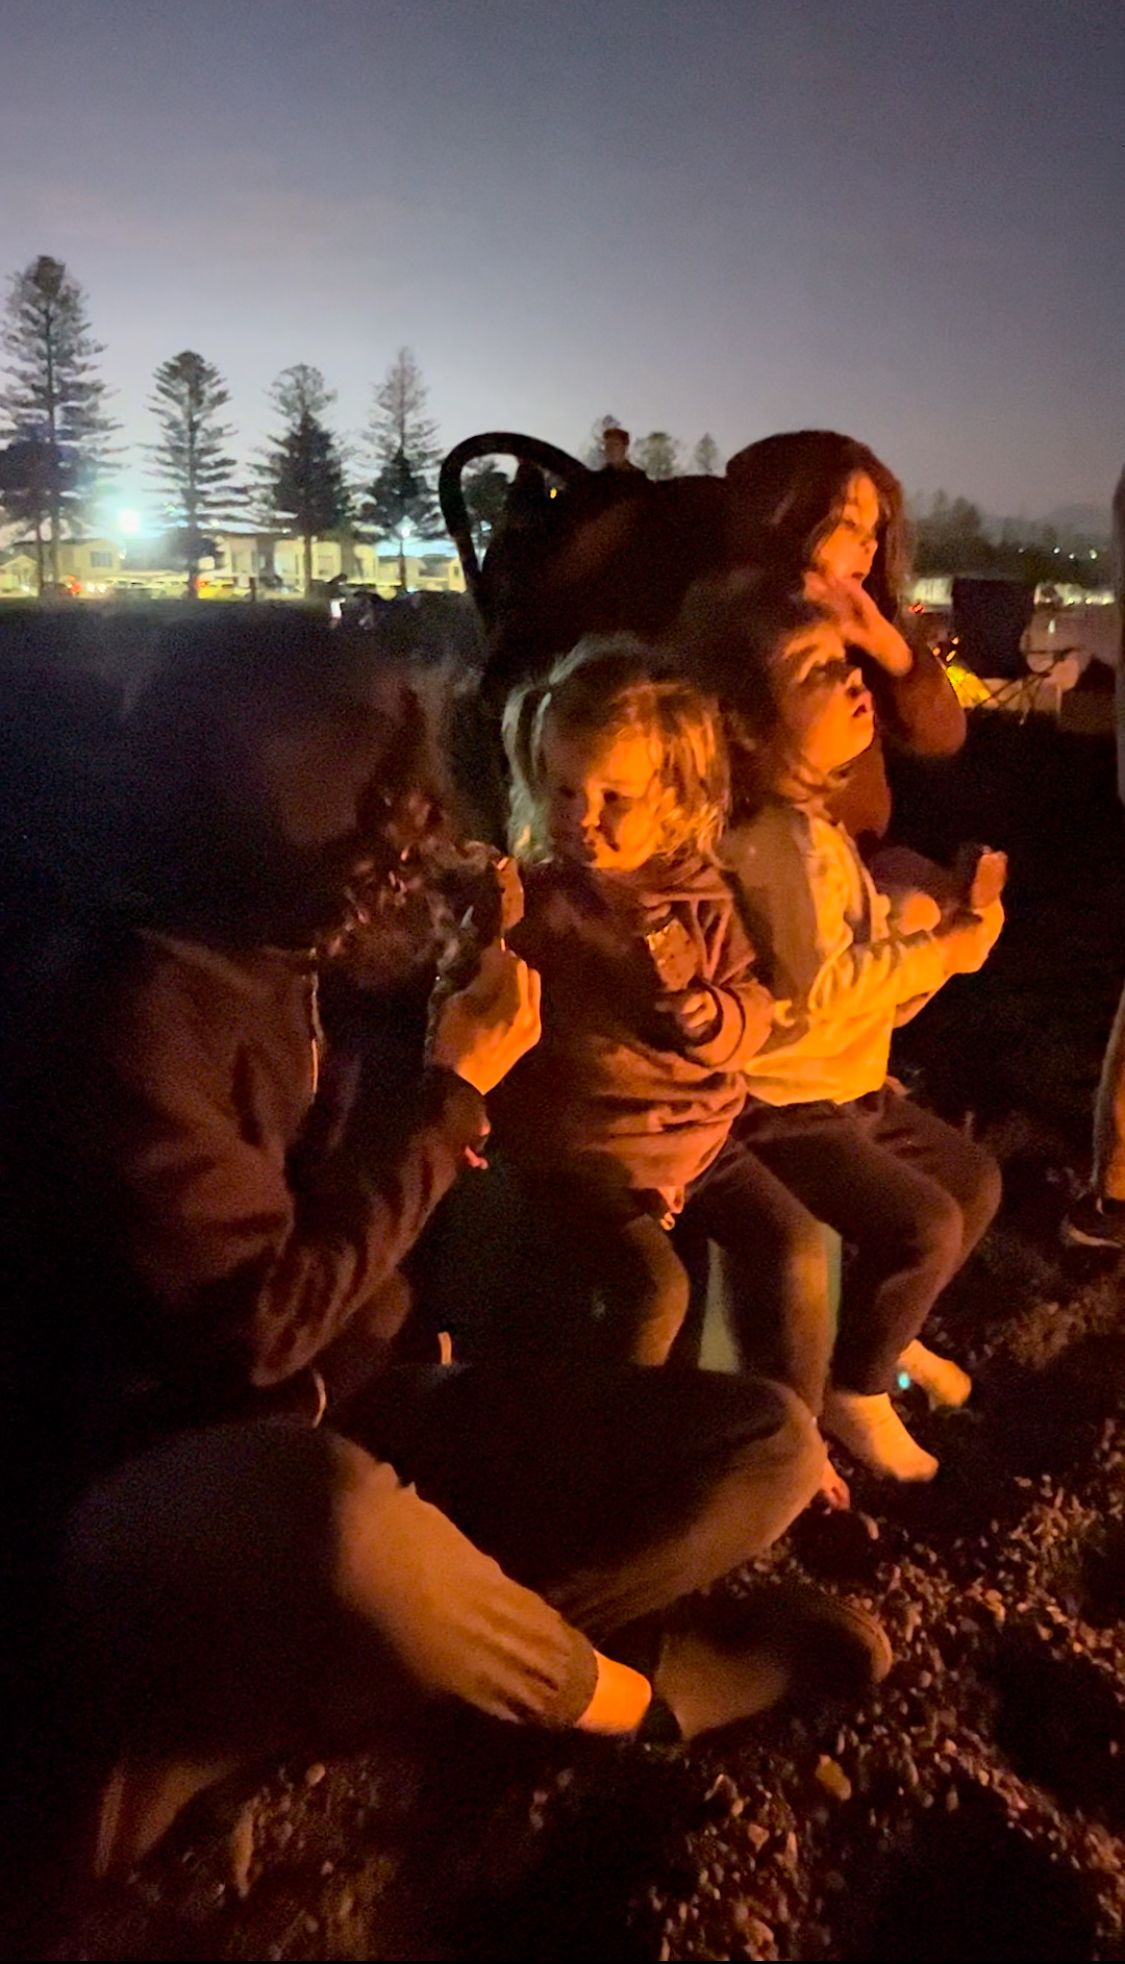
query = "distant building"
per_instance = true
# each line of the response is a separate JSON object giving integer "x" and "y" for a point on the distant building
{"x": 244, "y": 562}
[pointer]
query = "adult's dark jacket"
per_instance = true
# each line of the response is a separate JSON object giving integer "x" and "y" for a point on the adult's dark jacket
{"x": 201, "y": 1202}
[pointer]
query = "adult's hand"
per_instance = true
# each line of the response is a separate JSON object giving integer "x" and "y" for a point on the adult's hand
{"x": 860, "y": 622}
{"x": 482, "y": 1031}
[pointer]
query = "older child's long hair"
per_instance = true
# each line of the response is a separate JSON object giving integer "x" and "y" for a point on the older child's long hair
{"x": 727, "y": 642}
{"x": 609, "y": 686}
{"x": 789, "y": 491}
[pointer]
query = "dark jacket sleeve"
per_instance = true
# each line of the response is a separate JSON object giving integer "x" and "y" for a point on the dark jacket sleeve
{"x": 745, "y": 1006}
{"x": 254, "y": 1276}
{"x": 921, "y": 712}
{"x": 920, "y": 709}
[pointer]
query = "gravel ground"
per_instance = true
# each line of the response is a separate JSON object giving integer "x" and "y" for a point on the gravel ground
{"x": 974, "y": 1808}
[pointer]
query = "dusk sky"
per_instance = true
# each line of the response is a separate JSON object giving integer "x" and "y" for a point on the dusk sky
{"x": 904, "y": 218}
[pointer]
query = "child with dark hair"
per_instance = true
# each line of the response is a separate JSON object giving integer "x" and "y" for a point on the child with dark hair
{"x": 840, "y": 1142}
{"x": 819, "y": 510}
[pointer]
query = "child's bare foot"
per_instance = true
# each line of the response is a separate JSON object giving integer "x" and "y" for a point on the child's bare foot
{"x": 788, "y": 1641}
{"x": 869, "y": 1427}
{"x": 943, "y": 1381}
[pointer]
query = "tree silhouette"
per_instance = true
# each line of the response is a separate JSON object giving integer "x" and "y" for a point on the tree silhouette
{"x": 303, "y": 472}
{"x": 658, "y": 454}
{"x": 707, "y": 459}
{"x": 52, "y": 405}
{"x": 190, "y": 462}
{"x": 401, "y": 502}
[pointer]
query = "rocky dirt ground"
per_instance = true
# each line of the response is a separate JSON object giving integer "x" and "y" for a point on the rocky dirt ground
{"x": 975, "y": 1808}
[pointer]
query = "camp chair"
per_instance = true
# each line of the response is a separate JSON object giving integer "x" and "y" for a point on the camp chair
{"x": 991, "y": 629}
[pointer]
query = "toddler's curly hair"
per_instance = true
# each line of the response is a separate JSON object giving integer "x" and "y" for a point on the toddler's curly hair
{"x": 607, "y": 686}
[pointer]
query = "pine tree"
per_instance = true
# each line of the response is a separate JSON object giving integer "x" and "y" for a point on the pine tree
{"x": 707, "y": 459}
{"x": 190, "y": 462}
{"x": 303, "y": 471}
{"x": 658, "y": 454}
{"x": 24, "y": 476}
{"x": 401, "y": 501}
{"x": 52, "y": 404}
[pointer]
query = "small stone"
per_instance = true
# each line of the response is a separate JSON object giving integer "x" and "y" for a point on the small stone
{"x": 345, "y": 1905}
{"x": 309, "y": 1925}
{"x": 328, "y": 1868}
{"x": 757, "y": 1836}
{"x": 952, "y": 1800}
{"x": 831, "y": 1776}
{"x": 315, "y": 1773}
{"x": 759, "y": 1934}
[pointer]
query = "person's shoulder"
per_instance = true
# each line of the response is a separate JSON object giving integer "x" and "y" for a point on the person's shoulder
{"x": 778, "y": 827}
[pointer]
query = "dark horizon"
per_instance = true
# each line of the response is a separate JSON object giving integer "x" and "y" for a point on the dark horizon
{"x": 907, "y": 224}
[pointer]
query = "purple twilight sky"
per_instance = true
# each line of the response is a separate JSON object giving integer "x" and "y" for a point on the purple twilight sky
{"x": 905, "y": 220}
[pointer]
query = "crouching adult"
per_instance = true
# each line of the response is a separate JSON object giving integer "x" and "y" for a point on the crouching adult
{"x": 207, "y": 1214}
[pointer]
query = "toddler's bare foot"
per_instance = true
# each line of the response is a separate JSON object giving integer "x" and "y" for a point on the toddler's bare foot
{"x": 869, "y": 1427}
{"x": 943, "y": 1381}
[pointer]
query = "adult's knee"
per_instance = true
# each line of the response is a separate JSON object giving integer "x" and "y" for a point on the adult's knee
{"x": 798, "y": 1437}
{"x": 790, "y": 1440}
{"x": 796, "y": 1458}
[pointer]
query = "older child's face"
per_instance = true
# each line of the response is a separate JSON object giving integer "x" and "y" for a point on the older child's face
{"x": 847, "y": 552}
{"x": 605, "y": 799}
{"x": 826, "y": 712}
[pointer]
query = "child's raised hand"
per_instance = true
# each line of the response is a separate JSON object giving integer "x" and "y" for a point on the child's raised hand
{"x": 860, "y": 622}
{"x": 695, "y": 1012}
{"x": 970, "y": 938}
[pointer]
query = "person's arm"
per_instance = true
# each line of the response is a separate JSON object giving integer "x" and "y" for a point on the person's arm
{"x": 914, "y": 698}
{"x": 800, "y": 889}
{"x": 726, "y": 1020}
{"x": 256, "y": 1277}
{"x": 918, "y": 708}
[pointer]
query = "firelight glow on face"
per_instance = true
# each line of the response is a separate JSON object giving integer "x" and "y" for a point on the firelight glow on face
{"x": 605, "y": 799}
